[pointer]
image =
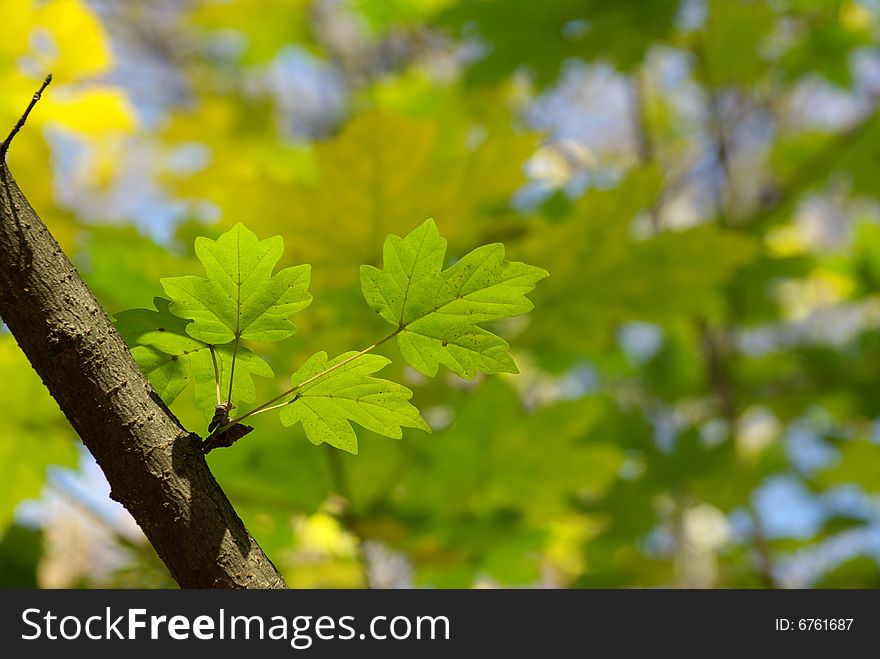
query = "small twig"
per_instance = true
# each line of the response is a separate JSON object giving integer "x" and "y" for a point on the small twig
{"x": 639, "y": 110}
{"x": 645, "y": 147}
{"x": 719, "y": 136}
{"x": 4, "y": 145}
{"x": 716, "y": 353}
{"x": 812, "y": 168}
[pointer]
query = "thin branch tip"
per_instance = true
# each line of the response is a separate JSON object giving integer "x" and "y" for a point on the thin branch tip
{"x": 4, "y": 145}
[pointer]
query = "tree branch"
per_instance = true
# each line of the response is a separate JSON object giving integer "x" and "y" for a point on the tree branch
{"x": 154, "y": 465}
{"x": 646, "y": 149}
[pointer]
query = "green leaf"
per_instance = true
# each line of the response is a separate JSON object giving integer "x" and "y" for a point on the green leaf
{"x": 825, "y": 43}
{"x": 603, "y": 274}
{"x": 172, "y": 359}
{"x": 855, "y": 572}
{"x": 385, "y": 14}
{"x": 731, "y": 41}
{"x": 261, "y": 39}
{"x": 543, "y": 36}
{"x": 21, "y": 549}
{"x": 437, "y": 311}
{"x": 859, "y": 464}
{"x": 241, "y": 298}
{"x": 169, "y": 374}
{"x": 159, "y": 329}
{"x": 375, "y": 177}
{"x": 327, "y": 405}
{"x": 498, "y": 456}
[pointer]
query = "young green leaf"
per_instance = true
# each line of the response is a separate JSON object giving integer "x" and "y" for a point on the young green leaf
{"x": 437, "y": 311}
{"x": 327, "y": 405}
{"x": 161, "y": 347}
{"x": 241, "y": 298}
{"x": 169, "y": 374}
{"x": 159, "y": 329}
{"x": 172, "y": 359}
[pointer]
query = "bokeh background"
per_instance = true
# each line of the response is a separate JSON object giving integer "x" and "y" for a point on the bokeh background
{"x": 700, "y": 388}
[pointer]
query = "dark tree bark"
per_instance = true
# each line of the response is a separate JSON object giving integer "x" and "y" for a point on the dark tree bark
{"x": 154, "y": 465}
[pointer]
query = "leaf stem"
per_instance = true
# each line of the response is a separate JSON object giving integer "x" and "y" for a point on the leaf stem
{"x": 232, "y": 369}
{"x": 216, "y": 373}
{"x": 269, "y": 404}
{"x": 270, "y": 408}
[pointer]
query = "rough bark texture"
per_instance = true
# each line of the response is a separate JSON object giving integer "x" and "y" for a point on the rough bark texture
{"x": 154, "y": 465}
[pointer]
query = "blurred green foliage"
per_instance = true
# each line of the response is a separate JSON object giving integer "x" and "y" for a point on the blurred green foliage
{"x": 698, "y": 398}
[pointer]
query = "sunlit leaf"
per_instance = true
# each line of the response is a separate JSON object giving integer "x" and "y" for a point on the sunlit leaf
{"x": 241, "y": 298}
{"x": 438, "y": 311}
{"x": 327, "y": 405}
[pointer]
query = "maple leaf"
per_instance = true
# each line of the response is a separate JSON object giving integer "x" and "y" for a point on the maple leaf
{"x": 437, "y": 312}
{"x": 172, "y": 359}
{"x": 241, "y": 298}
{"x": 332, "y": 394}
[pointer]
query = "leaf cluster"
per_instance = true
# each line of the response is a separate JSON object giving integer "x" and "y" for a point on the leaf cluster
{"x": 198, "y": 334}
